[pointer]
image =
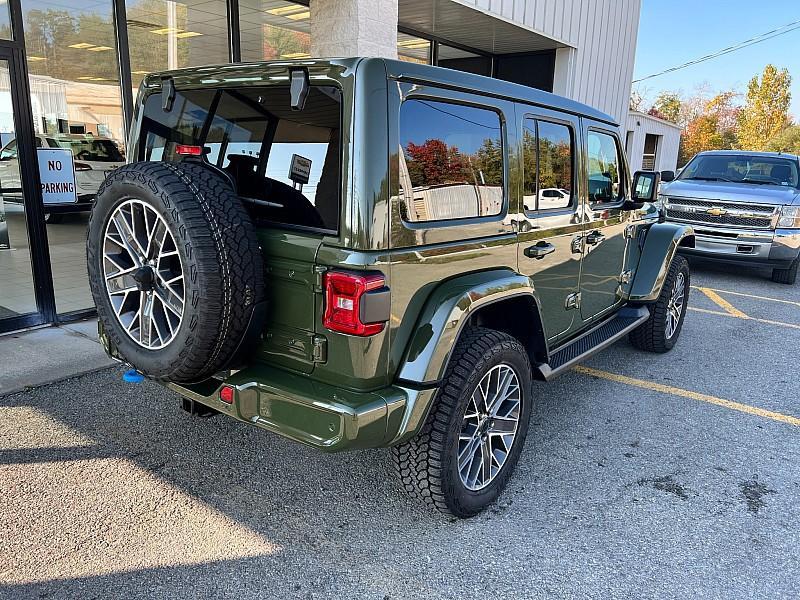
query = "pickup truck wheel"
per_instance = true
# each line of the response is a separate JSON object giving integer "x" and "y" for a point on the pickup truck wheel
{"x": 787, "y": 276}
{"x": 660, "y": 332}
{"x": 471, "y": 441}
{"x": 175, "y": 269}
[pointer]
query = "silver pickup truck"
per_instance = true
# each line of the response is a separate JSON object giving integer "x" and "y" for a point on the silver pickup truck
{"x": 744, "y": 206}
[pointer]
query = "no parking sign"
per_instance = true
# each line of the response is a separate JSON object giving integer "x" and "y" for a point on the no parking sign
{"x": 57, "y": 174}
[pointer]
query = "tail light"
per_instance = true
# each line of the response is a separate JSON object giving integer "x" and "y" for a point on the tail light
{"x": 355, "y": 303}
{"x": 82, "y": 166}
{"x": 185, "y": 150}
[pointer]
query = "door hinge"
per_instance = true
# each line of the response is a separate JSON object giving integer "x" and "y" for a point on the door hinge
{"x": 573, "y": 301}
{"x": 320, "y": 349}
{"x": 319, "y": 271}
{"x": 631, "y": 232}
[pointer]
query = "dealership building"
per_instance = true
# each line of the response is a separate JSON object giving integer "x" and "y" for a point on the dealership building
{"x": 69, "y": 72}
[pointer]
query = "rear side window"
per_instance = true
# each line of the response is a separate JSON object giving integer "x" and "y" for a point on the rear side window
{"x": 604, "y": 168}
{"x": 451, "y": 161}
{"x": 547, "y": 150}
{"x": 254, "y": 135}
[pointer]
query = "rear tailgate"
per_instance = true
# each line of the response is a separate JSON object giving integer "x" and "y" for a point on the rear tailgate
{"x": 293, "y": 297}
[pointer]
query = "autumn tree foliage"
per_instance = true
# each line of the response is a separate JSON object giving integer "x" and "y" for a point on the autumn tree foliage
{"x": 436, "y": 163}
{"x": 787, "y": 140}
{"x": 766, "y": 111}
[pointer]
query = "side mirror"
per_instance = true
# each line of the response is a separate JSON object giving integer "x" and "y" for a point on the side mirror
{"x": 667, "y": 176}
{"x": 645, "y": 189}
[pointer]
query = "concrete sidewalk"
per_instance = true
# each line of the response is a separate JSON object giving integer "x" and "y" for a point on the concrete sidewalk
{"x": 39, "y": 356}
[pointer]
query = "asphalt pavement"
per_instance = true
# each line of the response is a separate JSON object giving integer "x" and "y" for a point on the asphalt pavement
{"x": 644, "y": 476}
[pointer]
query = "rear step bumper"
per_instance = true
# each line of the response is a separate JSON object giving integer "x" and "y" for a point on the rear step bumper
{"x": 314, "y": 413}
{"x": 594, "y": 340}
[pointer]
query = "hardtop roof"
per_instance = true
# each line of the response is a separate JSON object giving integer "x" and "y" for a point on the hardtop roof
{"x": 404, "y": 70}
{"x": 497, "y": 87}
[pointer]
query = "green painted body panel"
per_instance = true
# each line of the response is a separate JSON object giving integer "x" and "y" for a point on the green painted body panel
{"x": 447, "y": 309}
{"x": 307, "y": 411}
{"x": 293, "y": 298}
{"x": 334, "y": 391}
{"x": 660, "y": 245}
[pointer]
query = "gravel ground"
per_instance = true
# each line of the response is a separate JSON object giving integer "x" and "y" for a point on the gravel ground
{"x": 110, "y": 490}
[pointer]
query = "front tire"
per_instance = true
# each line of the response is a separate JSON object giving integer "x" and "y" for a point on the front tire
{"x": 660, "y": 332}
{"x": 787, "y": 276}
{"x": 466, "y": 452}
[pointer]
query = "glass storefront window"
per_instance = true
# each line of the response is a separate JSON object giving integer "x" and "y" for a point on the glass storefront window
{"x": 5, "y": 20}
{"x": 413, "y": 49}
{"x": 274, "y": 29}
{"x": 163, "y": 34}
{"x": 76, "y": 105}
{"x": 461, "y": 60}
{"x": 17, "y": 295}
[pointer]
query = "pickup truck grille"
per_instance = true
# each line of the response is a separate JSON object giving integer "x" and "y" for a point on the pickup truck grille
{"x": 728, "y": 214}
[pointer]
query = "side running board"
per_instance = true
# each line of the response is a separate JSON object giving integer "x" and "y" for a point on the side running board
{"x": 603, "y": 335}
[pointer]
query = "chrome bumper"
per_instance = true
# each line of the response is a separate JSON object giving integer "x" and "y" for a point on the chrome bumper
{"x": 776, "y": 248}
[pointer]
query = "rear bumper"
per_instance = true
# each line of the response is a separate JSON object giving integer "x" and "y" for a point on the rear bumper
{"x": 777, "y": 248}
{"x": 317, "y": 414}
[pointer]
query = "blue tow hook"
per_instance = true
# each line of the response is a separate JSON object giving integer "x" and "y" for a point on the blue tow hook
{"x": 132, "y": 376}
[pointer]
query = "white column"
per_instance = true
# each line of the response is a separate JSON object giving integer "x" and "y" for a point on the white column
{"x": 564, "y": 72}
{"x": 341, "y": 28}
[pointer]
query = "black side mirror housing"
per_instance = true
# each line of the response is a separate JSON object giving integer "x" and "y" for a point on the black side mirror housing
{"x": 645, "y": 188}
{"x": 667, "y": 176}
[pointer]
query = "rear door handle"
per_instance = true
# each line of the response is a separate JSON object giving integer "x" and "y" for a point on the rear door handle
{"x": 539, "y": 251}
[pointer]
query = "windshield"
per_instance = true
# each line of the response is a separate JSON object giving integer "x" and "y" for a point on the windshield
{"x": 743, "y": 168}
{"x": 93, "y": 150}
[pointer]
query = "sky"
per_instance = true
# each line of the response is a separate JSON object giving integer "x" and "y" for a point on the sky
{"x": 672, "y": 32}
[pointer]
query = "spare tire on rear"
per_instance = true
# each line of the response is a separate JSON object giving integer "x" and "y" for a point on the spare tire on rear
{"x": 175, "y": 269}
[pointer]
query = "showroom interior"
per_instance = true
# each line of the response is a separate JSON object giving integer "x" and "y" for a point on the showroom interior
{"x": 69, "y": 72}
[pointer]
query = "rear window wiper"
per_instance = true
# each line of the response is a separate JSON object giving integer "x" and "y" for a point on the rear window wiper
{"x": 709, "y": 178}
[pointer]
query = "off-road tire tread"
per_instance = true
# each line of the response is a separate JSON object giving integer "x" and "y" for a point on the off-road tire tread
{"x": 786, "y": 276}
{"x": 650, "y": 335}
{"x": 224, "y": 254}
{"x": 418, "y": 462}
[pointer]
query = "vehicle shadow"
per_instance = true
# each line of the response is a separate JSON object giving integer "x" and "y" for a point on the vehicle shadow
{"x": 323, "y": 513}
{"x": 709, "y": 267}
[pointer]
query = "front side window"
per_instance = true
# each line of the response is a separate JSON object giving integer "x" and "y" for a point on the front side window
{"x": 605, "y": 170}
{"x": 451, "y": 161}
{"x": 548, "y": 151}
{"x": 743, "y": 168}
{"x": 254, "y": 135}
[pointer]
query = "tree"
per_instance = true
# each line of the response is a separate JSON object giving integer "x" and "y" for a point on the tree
{"x": 667, "y": 106}
{"x": 787, "y": 140}
{"x": 766, "y": 111}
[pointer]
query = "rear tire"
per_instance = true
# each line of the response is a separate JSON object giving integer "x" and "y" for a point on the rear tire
{"x": 184, "y": 216}
{"x": 787, "y": 276}
{"x": 660, "y": 332}
{"x": 434, "y": 466}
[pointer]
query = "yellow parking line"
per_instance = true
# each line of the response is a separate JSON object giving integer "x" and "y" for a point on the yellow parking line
{"x": 725, "y": 314}
{"x": 722, "y": 303}
{"x": 792, "y": 302}
{"x": 667, "y": 389}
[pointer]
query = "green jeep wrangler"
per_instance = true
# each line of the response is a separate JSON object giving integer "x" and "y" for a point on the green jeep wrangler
{"x": 361, "y": 253}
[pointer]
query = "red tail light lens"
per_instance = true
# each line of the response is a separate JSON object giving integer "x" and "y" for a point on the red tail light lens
{"x": 344, "y": 295}
{"x": 185, "y": 150}
{"x": 226, "y": 394}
